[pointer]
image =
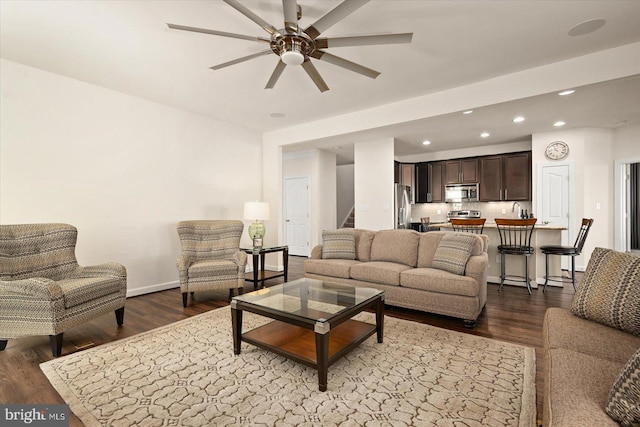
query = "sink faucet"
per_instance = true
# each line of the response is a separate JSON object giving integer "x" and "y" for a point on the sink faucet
{"x": 513, "y": 208}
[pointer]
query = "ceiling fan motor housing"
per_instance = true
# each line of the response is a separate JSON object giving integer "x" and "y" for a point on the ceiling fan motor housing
{"x": 293, "y": 48}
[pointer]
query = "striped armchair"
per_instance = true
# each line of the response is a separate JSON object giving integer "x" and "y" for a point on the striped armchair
{"x": 43, "y": 290}
{"x": 211, "y": 257}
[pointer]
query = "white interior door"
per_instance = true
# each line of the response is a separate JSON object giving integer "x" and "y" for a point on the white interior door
{"x": 296, "y": 216}
{"x": 554, "y": 200}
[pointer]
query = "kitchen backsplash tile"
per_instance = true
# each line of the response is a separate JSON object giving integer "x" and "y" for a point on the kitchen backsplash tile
{"x": 437, "y": 212}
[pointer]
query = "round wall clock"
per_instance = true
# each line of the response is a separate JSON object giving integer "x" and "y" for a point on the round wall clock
{"x": 557, "y": 150}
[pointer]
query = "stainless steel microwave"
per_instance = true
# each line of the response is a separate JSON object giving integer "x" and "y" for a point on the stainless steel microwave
{"x": 456, "y": 193}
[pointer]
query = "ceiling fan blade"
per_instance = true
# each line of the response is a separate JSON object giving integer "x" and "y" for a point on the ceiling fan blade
{"x": 255, "y": 18}
{"x": 290, "y": 8}
{"x": 334, "y": 16}
{"x": 364, "y": 40}
{"x": 218, "y": 33}
{"x": 315, "y": 76}
{"x": 275, "y": 75}
{"x": 239, "y": 60}
{"x": 341, "y": 62}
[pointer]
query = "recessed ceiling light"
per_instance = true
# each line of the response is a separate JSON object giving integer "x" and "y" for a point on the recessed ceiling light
{"x": 587, "y": 27}
{"x": 518, "y": 119}
{"x": 426, "y": 142}
{"x": 467, "y": 112}
{"x": 485, "y": 134}
{"x": 277, "y": 115}
{"x": 559, "y": 123}
{"x": 566, "y": 92}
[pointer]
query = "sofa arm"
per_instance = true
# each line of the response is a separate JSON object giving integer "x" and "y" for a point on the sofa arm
{"x": 316, "y": 252}
{"x": 37, "y": 288}
{"x": 476, "y": 268}
{"x": 240, "y": 259}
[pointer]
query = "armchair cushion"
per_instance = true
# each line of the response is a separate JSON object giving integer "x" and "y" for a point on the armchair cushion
{"x": 84, "y": 290}
{"x": 213, "y": 267}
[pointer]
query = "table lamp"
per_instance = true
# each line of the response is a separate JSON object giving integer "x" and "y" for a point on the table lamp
{"x": 257, "y": 211}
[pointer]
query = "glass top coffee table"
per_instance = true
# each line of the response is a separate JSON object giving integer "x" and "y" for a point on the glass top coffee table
{"x": 313, "y": 322}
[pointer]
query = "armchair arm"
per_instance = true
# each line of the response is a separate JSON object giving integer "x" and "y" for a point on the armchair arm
{"x": 110, "y": 269}
{"x": 240, "y": 259}
{"x": 183, "y": 263}
{"x": 38, "y": 288}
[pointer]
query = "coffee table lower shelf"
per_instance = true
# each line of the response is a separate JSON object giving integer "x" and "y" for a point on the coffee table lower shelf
{"x": 299, "y": 344}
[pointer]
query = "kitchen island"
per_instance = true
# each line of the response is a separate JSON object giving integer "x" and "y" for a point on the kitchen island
{"x": 543, "y": 234}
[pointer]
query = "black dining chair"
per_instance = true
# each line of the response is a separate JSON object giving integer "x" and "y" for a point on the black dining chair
{"x": 471, "y": 225}
{"x": 572, "y": 251}
{"x": 515, "y": 239}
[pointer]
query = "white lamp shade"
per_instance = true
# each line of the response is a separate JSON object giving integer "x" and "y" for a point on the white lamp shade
{"x": 256, "y": 211}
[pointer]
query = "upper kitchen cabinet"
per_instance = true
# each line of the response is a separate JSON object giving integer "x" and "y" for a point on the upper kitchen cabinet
{"x": 464, "y": 171}
{"x": 404, "y": 174}
{"x": 506, "y": 177}
{"x": 429, "y": 182}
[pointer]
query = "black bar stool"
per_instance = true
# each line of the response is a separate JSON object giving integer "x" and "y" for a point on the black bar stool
{"x": 472, "y": 225}
{"x": 571, "y": 251}
{"x": 515, "y": 239}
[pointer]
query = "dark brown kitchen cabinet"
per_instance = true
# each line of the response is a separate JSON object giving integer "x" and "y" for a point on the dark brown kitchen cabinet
{"x": 429, "y": 187}
{"x": 407, "y": 174}
{"x": 506, "y": 177}
{"x": 435, "y": 171}
{"x": 463, "y": 171}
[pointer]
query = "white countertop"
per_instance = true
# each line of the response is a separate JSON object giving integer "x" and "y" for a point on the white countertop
{"x": 494, "y": 226}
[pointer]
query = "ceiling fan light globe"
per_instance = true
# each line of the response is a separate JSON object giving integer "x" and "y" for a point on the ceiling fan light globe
{"x": 292, "y": 57}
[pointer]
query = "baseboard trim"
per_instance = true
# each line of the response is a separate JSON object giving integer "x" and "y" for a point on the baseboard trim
{"x": 153, "y": 288}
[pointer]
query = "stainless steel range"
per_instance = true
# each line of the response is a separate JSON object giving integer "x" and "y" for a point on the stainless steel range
{"x": 467, "y": 214}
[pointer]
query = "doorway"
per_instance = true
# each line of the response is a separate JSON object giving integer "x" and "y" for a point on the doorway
{"x": 555, "y": 200}
{"x": 296, "y": 208}
{"x": 627, "y": 205}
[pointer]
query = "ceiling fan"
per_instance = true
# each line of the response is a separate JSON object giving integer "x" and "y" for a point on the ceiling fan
{"x": 295, "y": 46}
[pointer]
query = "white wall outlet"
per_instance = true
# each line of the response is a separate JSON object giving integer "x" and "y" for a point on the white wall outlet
{"x": 439, "y": 211}
{"x": 598, "y": 206}
{"x": 385, "y": 207}
{"x": 504, "y": 211}
{"x": 364, "y": 208}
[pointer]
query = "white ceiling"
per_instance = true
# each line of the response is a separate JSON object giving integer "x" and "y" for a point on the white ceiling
{"x": 126, "y": 46}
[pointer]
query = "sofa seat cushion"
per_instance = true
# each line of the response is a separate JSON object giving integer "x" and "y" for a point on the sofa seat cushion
{"x": 434, "y": 280}
{"x": 578, "y": 386}
{"x": 386, "y": 273}
{"x": 561, "y": 329}
{"x": 83, "y": 290}
{"x": 212, "y": 267}
{"x": 330, "y": 267}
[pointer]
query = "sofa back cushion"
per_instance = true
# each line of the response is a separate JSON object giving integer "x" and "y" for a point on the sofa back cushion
{"x": 453, "y": 252}
{"x": 609, "y": 292}
{"x": 364, "y": 238}
{"x": 37, "y": 250}
{"x": 399, "y": 246}
{"x": 338, "y": 244}
{"x": 429, "y": 244}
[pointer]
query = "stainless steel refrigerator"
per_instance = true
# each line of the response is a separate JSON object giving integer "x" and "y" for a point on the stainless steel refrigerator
{"x": 402, "y": 211}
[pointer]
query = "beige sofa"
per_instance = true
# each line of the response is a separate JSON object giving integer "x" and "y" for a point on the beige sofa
{"x": 591, "y": 350}
{"x": 400, "y": 262}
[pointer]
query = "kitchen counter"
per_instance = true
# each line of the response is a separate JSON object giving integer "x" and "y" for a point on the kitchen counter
{"x": 543, "y": 234}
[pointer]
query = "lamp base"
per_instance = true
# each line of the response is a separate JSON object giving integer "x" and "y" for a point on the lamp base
{"x": 256, "y": 232}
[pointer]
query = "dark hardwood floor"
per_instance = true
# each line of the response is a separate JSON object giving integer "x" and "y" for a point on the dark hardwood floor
{"x": 511, "y": 315}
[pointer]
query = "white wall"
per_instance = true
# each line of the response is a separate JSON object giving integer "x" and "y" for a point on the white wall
{"x": 591, "y": 151}
{"x": 345, "y": 192}
{"x": 121, "y": 169}
{"x": 373, "y": 182}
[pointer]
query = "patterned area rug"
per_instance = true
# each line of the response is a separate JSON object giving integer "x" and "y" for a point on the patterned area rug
{"x": 186, "y": 374}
